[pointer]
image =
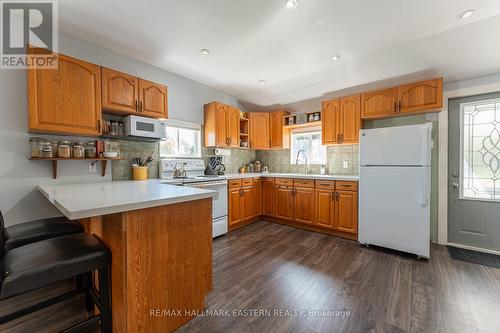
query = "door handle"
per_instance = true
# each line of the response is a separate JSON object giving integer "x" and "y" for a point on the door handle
{"x": 455, "y": 185}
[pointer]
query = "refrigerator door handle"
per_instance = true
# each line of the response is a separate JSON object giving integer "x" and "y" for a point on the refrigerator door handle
{"x": 424, "y": 186}
{"x": 426, "y": 136}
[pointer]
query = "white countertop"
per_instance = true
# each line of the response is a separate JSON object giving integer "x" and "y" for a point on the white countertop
{"x": 77, "y": 201}
{"x": 291, "y": 175}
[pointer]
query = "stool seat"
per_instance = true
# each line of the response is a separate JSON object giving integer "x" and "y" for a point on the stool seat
{"x": 39, "y": 264}
{"x": 34, "y": 231}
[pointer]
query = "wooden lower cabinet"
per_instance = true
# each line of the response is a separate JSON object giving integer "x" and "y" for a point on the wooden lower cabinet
{"x": 325, "y": 208}
{"x": 346, "y": 211}
{"x": 304, "y": 210}
{"x": 234, "y": 205}
{"x": 284, "y": 202}
{"x": 329, "y": 206}
{"x": 268, "y": 197}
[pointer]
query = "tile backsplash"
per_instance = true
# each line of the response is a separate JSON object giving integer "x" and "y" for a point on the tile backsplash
{"x": 276, "y": 160}
{"x": 279, "y": 161}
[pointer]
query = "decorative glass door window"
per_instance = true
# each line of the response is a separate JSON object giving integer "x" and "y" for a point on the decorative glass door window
{"x": 480, "y": 141}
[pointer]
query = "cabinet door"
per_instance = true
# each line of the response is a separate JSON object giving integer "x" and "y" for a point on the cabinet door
{"x": 278, "y": 137}
{"x": 284, "y": 202}
{"x": 268, "y": 197}
{"x": 152, "y": 99}
{"x": 346, "y": 208}
{"x": 257, "y": 197}
{"x": 119, "y": 92}
{"x": 421, "y": 96}
{"x": 234, "y": 199}
{"x": 330, "y": 119}
{"x": 247, "y": 203}
{"x": 259, "y": 130}
{"x": 304, "y": 209}
{"x": 233, "y": 126}
{"x": 350, "y": 119}
{"x": 379, "y": 104}
{"x": 66, "y": 100}
{"x": 325, "y": 208}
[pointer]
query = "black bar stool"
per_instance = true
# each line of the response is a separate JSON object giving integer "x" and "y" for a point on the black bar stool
{"x": 39, "y": 264}
{"x": 34, "y": 231}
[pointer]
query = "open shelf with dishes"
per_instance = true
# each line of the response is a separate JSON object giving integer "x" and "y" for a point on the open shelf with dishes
{"x": 244, "y": 133}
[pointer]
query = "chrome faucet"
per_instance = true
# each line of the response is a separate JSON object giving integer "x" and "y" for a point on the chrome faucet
{"x": 306, "y": 163}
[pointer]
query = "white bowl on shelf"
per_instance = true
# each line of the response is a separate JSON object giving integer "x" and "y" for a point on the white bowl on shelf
{"x": 110, "y": 154}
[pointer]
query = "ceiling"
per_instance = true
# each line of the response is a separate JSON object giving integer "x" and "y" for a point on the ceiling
{"x": 380, "y": 42}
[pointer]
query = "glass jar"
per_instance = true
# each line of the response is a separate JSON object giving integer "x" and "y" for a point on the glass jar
{"x": 64, "y": 149}
{"x": 78, "y": 150}
{"x": 90, "y": 150}
{"x": 36, "y": 147}
{"x": 55, "y": 147}
{"x": 47, "y": 151}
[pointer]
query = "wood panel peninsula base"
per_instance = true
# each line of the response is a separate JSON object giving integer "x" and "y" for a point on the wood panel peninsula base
{"x": 161, "y": 260}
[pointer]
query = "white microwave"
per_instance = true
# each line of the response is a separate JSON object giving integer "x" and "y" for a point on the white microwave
{"x": 145, "y": 127}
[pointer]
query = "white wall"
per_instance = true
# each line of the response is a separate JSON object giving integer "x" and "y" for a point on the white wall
{"x": 19, "y": 199}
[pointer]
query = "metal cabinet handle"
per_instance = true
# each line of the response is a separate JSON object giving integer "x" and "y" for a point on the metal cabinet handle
{"x": 400, "y": 105}
{"x": 395, "y": 107}
{"x": 333, "y": 196}
{"x": 342, "y": 138}
{"x": 337, "y": 196}
{"x": 140, "y": 106}
{"x": 136, "y": 106}
{"x": 99, "y": 125}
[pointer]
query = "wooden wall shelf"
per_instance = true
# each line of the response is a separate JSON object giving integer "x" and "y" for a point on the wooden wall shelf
{"x": 55, "y": 159}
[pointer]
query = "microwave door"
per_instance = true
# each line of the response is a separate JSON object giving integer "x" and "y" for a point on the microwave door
{"x": 145, "y": 129}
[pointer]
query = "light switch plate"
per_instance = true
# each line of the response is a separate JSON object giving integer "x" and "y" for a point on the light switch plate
{"x": 345, "y": 164}
{"x": 92, "y": 166}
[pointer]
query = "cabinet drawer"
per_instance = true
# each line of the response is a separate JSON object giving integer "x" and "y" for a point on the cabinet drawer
{"x": 303, "y": 182}
{"x": 326, "y": 184}
{"x": 284, "y": 181}
{"x": 347, "y": 186}
{"x": 246, "y": 182}
{"x": 234, "y": 183}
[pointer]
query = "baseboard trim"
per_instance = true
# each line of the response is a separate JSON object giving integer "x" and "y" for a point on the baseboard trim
{"x": 244, "y": 223}
{"x": 478, "y": 249}
{"x": 310, "y": 228}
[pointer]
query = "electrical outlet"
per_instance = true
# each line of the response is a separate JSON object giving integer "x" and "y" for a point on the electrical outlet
{"x": 92, "y": 166}
{"x": 345, "y": 164}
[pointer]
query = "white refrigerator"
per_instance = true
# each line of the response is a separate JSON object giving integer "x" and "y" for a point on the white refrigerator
{"x": 394, "y": 182}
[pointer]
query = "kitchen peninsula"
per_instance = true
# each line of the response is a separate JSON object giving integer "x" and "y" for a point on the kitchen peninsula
{"x": 161, "y": 251}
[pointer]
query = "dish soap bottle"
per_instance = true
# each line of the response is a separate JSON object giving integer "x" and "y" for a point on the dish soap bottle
{"x": 322, "y": 170}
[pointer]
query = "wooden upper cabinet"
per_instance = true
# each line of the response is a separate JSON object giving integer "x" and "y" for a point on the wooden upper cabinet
{"x": 304, "y": 209}
{"x": 279, "y": 138}
{"x": 420, "y": 96}
{"x": 259, "y": 130}
{"x": 120, "y": 92}
{"x": 346, "y": 209}
{"x": 233, "y": 126}
{"x": 222, "y": 125}
{"x": 330, "y": 118}
{"x": 153, "y": 101}
{"x": 379, "y": 104}
{"x": 350, "y": 119}
{"x": 66, "y": 100}
{"x": 325, "y": 208}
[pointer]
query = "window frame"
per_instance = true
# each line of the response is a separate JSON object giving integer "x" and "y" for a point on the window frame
{"x": 177, "y": 124}
{"x": 293, "y": 153}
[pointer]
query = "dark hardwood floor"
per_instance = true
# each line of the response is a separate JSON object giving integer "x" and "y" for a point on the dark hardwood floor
{"x": 266, "y": 268}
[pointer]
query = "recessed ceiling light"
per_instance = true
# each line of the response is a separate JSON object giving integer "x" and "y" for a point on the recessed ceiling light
{"x": 466, "y": 14}
{"x": 291, "y": 4}
{"x": 335, "y": 57}
{"x": 205, "y": 51}
{"x": 261, "y": 81}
